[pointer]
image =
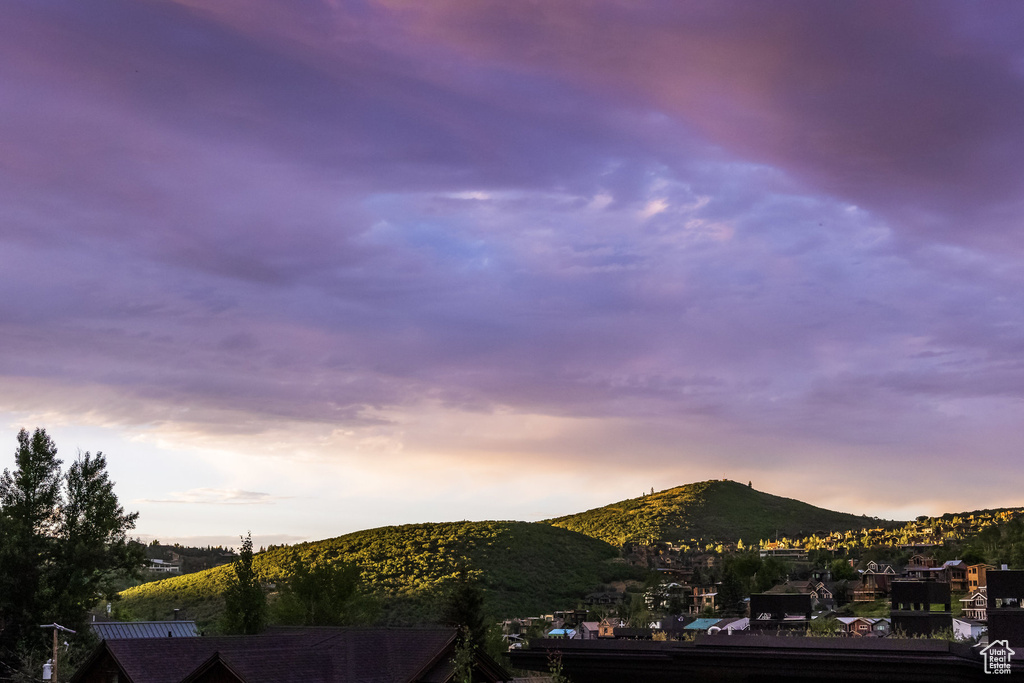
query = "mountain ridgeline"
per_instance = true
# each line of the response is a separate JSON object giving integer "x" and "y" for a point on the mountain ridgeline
{"x": 524, "y": 568}
{"x": 720, "y": 511}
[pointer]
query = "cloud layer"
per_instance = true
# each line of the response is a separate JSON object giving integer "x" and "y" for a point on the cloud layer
{"x": 678, "y": 240}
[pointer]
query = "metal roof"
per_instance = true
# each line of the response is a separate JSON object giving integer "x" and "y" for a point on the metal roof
{"x": 701, "y": 624}
{"x": 119, "y": 630}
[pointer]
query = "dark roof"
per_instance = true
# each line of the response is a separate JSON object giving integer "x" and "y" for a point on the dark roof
{"x": 742, "y": 657}
{"x": 310, "y": 655}
{"x": 116, "y": 630}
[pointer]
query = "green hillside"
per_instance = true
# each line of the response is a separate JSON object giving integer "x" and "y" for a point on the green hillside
{"x": 525, "y": 568}
{"x": 723, "y": 511}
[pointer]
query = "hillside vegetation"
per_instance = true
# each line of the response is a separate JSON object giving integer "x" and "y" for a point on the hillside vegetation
{"x": 721, "y": 511}
{"x": 525, "y": 568}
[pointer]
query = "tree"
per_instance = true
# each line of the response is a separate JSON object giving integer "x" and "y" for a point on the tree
{"x": 841, "y": 570}
{"x": 93, "y": 529}
{"x": 464, "y": 609}
{"x": 63, "y": 541}
{"x": 321, "y": 593}
{"x": 462, "y": 661}
{"x": 245, "y": 603}
{"x": 28, "y": 499}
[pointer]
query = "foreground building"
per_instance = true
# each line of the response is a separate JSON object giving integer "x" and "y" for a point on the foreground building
{"x": 310, "y": 655}
{"x": 755, "y": 658}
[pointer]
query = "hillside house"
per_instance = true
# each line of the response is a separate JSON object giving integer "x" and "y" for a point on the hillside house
{"x": 164, "y": 566}
{"x": 955, "y": 574}
{"x": 921, "y": 561}
{"x": 703, "y": 598}
{"x": 875, "y": 582}
{"x": 976, "y": 576}
{"x": 786, "y": 554}
{"x": 606, "y": 629}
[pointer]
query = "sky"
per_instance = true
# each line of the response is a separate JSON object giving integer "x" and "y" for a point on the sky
{"x": 306, "y": 267}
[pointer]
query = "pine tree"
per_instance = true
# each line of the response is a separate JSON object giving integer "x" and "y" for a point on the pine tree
{"x": 464, "y": 608}
{"x": 63, "y": 541}
{"x": 245, "y": 603}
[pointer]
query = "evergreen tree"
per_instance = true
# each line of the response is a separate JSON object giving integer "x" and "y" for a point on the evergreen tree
{"x": 28, "y": 499}
{"x": 63, "y": 539}
{"x": 245, "y": 603}
{"x": 464, "y": 608}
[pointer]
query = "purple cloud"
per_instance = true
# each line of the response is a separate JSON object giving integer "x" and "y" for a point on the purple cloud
{"x": 792, "y": 222}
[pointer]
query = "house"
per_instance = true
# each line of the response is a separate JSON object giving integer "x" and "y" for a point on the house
{"x": 965, "y": 629}
{"x": 312, "y": 655}
{"x": 606, "y": 629}
{"x": 864, "y": 627}
{"x": 881, "y": 627}
{"x": 790, "y": 554}
{"x": 873, "y": 567}
{"x": 855, "y": 626}
{"x": 588, "y": 630}
{"x": 955, "y": 574}
{"x": 164, "y": 566}
{"x": 921, "y": 561}
{"x": 703, "y": 598}
{"x": 670, "y": 626}
{"x": 976, "y": 576}
{"x": 875, "y": 581}
{"x": 822, "y": 595}
{"x": 975, "y": 605}
{"x": 604, "y": 598}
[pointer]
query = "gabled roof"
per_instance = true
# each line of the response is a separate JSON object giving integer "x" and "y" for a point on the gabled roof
{"x": 328, "y": 655}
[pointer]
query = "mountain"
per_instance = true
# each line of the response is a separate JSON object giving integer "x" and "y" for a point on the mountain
{"x": 717, "y": 510}
{"x": 525, "y": 568}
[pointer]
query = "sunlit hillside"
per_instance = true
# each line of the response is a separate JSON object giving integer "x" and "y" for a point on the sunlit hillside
{"x": 525, "y": 568}
{"x": 719, "y": 510}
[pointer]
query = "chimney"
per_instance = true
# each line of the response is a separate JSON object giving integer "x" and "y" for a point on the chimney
{"x": 176, "y": 613}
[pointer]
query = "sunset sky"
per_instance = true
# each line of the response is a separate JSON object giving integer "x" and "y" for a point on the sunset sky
{"x": 312, "y": 266}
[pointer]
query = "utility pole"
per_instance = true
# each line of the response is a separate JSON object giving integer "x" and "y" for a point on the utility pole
{"x": 53, "y": 662}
